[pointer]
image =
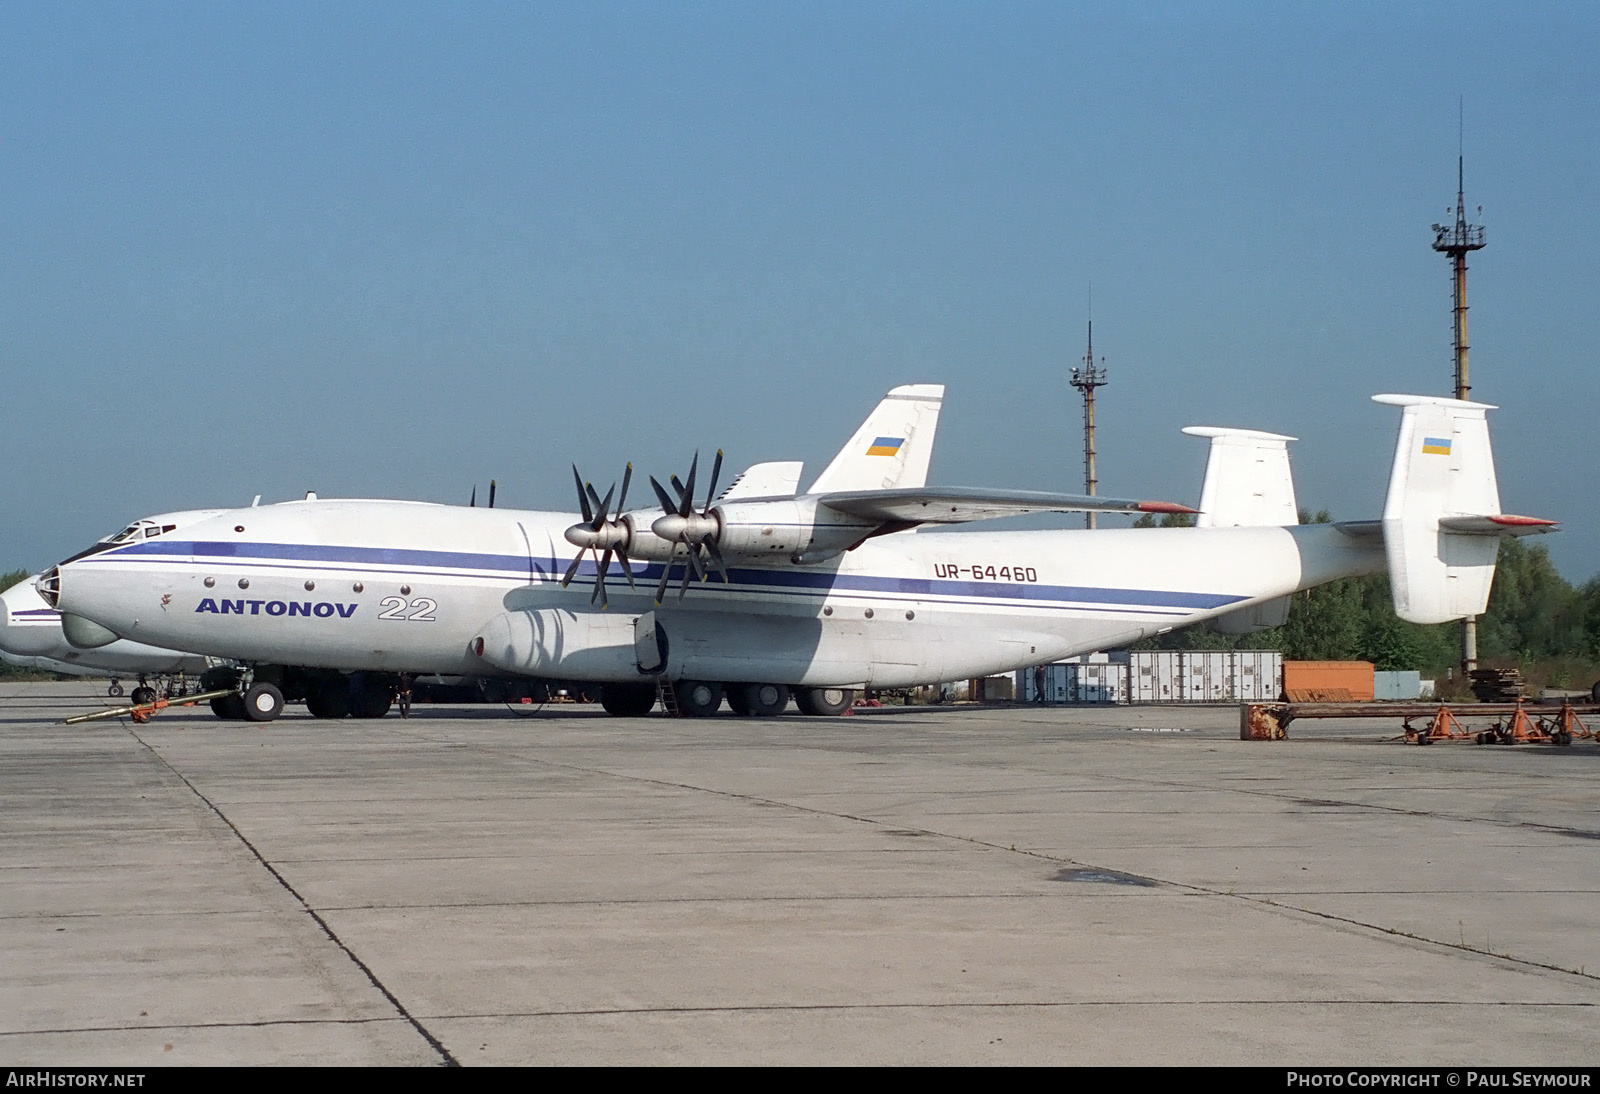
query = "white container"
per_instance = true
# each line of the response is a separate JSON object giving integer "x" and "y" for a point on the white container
{"x": 1204, "y": 676}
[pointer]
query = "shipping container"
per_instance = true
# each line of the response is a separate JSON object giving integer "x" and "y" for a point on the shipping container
{"x": 1400, "y": 686}
{"x": 1328, "y": 681}
{"x": 1157, "y": 676}
{"x": 1204, "y": 676}
{"x": 1093, "y": 678}
{"x": 991, "y": 689}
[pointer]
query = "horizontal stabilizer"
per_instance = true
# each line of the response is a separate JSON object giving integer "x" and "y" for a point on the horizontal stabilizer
{"x": 1500, "y": 524}
{"x": 958, "y": 505}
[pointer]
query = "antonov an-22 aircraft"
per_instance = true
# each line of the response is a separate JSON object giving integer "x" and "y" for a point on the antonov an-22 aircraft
{"x": 817, "y": 594}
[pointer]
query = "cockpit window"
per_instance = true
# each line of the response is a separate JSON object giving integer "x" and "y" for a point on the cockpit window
{"x": 133, "y": 533}
{"x": 140, "y": 529}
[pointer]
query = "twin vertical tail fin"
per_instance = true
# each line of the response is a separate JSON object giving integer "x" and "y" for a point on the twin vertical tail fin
{"x": 1442, "y": 521}
{"x": 1248, "y": 485}
{"x": 1248, "y": 482}
{"x": 892, "y": 448}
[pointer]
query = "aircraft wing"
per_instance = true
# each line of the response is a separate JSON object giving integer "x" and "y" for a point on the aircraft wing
{"x": 958, "y": 505}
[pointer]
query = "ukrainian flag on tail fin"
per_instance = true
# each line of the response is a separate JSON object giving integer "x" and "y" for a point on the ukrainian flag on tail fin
{"x": 901, "y": 428}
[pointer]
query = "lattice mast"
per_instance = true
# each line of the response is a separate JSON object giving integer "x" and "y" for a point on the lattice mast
{"x": 1455, "y": 241}
{"x": 1086, "y": 379}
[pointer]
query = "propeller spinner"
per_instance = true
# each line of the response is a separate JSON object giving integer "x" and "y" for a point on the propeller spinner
{"x": 696, "y": 531}
{"x": 595, "y": 533}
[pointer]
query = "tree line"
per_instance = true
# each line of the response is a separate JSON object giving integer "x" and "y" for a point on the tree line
{"x": 1536, "y": 619}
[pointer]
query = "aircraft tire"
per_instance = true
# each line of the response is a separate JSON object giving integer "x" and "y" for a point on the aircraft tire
{"x": 738, "y": 700}
{"x": 116, "y": 689}
{"x": 330, "y": 701}
{"x": 628, "y": 700}
{"x": 760, "y": 700}
{"x": 698, "y": 698}
{"x": 373, "y": 702}
{"x": 143, "y": 695}
{"x": 263, "y": 703}
{"x": 230, "y": 708}
{"x": 824, "y": 702}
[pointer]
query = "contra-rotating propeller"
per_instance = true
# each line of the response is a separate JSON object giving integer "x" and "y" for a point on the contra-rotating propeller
{"x": 595, "y": 534}
{"x": 696, "y": 531}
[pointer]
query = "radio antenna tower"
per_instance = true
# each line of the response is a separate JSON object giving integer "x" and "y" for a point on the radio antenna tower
{"x": 1455, "y": 240}
{"x": 1086, "y": 379}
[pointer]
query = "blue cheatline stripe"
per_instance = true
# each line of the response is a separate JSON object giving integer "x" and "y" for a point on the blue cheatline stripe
{"x": 775, "y": 581}
{"x": 312, "y": 552}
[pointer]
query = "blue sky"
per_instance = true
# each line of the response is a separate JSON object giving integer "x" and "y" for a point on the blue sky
{"x": 395, "y": 250}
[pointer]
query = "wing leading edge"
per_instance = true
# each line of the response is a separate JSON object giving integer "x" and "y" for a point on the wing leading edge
{"x": 960, "y": 505}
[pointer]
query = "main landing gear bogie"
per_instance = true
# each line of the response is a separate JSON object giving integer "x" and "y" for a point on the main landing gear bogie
{"x": 758, "y": 700}
{"x": 628, "y": 700}
{"x": 697, "y": 698}
{"x": 700, "y": 698}
{"x": 824, "y": 702}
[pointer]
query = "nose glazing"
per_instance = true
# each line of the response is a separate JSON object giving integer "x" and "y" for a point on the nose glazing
{"x": 49, "y": 586}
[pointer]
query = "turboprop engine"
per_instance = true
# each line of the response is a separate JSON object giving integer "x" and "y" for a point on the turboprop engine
{"x": 703, "y": 539}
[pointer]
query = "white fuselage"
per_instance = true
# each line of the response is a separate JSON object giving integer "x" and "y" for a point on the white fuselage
{"x": 404, "y": 586}
{"x": 31, "y": 636}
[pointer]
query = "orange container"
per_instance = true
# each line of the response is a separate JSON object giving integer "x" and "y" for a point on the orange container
{"x": 1328, "y": 681}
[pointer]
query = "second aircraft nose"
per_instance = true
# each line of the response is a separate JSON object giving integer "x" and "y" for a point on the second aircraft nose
{"x": 28, "y": 626}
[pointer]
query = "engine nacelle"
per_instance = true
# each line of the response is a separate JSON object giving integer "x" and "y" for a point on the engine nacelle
{"x": 643, "y": 545}
{"x": 798, "y": 529}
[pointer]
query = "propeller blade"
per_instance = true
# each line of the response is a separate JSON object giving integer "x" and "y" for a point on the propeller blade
{"x": 666, "y": 576}
{"x": 627, "y": 571}
{"x": 605, "y": 507}
{"x": 716, "y": 469}
{"x": 661, "y": 495}
{"x": 583, "y": 499}
{"x": 491, "y": 493}
{"x": 571, "y": 570}
{"x": 716, "y": 556}
{"x": 695, "y": 563}
{"x": 473, "y": 504}
{"x": 600, "y": 581}
{"x": 622, "y": 502}
{"x": 687, "y": 505}
{"x": 594, "y": 498}
{"x": 685, "y": 586}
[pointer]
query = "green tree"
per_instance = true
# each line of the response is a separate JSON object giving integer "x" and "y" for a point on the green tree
{"x": 1533, "y": 612}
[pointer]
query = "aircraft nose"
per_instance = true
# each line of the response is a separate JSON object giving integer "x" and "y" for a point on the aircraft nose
{"x": 49, "y": 586}
{"x": 27, "y": 627}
